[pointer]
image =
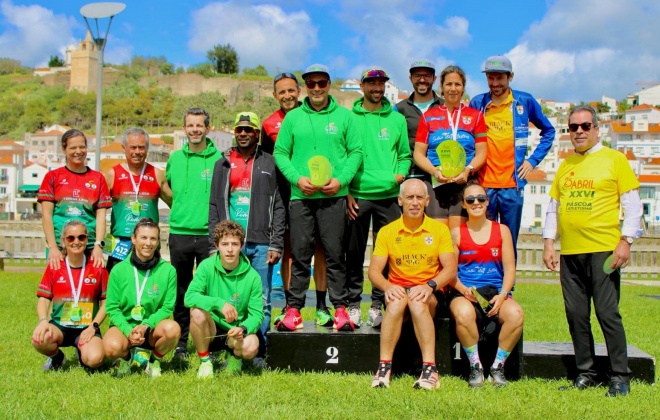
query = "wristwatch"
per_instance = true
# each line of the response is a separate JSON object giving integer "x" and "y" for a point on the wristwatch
{"x": 432, "y": 284}
{"x": 628, "y": 239}
{"x": 245, "y": 332}
{"x": 95, "y": 325}
{"x": 100, "y": 243}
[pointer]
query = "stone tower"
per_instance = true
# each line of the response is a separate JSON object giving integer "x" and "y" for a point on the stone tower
{"x": 84, "y": 66}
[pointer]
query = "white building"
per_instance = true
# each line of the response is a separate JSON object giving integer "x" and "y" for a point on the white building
{"x": 643, "y": 112}
{"x": 645, "y": 96}
{"x": 391, "y": 91}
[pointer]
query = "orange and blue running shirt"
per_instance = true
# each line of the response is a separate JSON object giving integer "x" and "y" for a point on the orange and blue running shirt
{"x": 498, "y": 172}
{"x": 413, "y": 257}
{"x": 56, "y": 286}
{"x": 76, "y": 196}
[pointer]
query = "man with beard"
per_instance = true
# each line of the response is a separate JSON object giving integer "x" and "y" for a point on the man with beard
{"x": 188, "y": 174}
{"x": 372, "y": 198}
{"x": 319, "y": 151}
{"x": 422, "y": 77}
{"x": 244, "y": 189}
{"x": 286, "y": 91}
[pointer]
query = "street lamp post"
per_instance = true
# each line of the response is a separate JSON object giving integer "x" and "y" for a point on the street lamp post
{"x": 98, "y": 11}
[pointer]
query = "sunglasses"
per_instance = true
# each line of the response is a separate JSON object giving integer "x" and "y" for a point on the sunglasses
{"x": 248, "y": 130}
{"x": 285, "y": 76}
{"x": 482, "y": 198}
{"x": 585, "y": 126}
{"x": 374, "y": 74}
{"x": 418, "y": 76}
{"x": 81, "y": 238}
{"x": 321, "y": 83}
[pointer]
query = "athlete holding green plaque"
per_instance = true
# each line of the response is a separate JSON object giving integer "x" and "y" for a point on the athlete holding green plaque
{"x": 448, "y": 137}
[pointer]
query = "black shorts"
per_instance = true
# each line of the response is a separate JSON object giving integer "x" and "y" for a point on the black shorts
{"x": 446, "y": 200}
{"x": 220, "y": 343}
{"x": 487, "y": 325}
{"x": 71, "y": 335}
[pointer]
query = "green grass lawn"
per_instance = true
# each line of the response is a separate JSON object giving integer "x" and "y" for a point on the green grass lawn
{"x": 27, "y": 392}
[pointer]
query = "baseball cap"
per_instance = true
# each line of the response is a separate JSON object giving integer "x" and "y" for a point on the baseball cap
{"x": 423, "y": 64}
{"x": 246, "y": 118}
{"x": 498, "y": 64}
{"x": 374, "y": 73}
{"x": 316, "y": 68}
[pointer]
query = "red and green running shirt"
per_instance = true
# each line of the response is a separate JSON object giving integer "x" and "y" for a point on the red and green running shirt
{"x": 240, "y": 185}
{"x": 127, "y": 206}
{"x": 76, "y": 196}
{"x": 56, "y": 286}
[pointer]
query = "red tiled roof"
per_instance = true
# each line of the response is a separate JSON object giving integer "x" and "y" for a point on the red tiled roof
{"x": 642, "y": 107}
{"x": 653, "y": 161}
{"x": 537, "y": 175}
{"x": 9, "y": 143}
{"x": 563, "y": 154}
{"x": 649, "y": 178}
{"x": 620, "y": 127}
{"x": 156, "y": 140}
{"x": 113, "y": 148}
{"x": 49, "y": 133}
{"x": 629, "y": 154}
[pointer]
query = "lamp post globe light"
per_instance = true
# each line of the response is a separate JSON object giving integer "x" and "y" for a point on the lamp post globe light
{"x": 96, "y": 11}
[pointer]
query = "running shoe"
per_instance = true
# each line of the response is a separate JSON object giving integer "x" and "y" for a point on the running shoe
{"x": 234, "y": 365}
{"x": 153, "y": 369}
{"x": 140, "y": 357}
{"x": 355, "y": 315}
{"x": 56, "y": 362}
{"x": 323, "y": 317}
{"x": 123, "y": 367}
{"x": 382, "y": 377}
{"x": 375, "y": 317}
{"x": 476, "y": 378}
{"x": 180, "y": 354}
{"x": 292, "y": 321}
{"x": 497, "y": 376}
{"x": 280, "y": 317}
{"x": 342, "y": 321}
{"x": 428, "y": 379}
{"x": 205, "y": 370}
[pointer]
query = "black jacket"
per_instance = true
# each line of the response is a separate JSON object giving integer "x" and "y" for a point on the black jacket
{"x": 266, "y": 219}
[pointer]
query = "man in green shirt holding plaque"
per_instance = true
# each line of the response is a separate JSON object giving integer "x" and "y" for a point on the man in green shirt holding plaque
{"x": 318, "y": 150}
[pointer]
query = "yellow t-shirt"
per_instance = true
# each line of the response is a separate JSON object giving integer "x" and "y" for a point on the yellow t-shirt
{"x": 500, "y": 156}
{"x": 588, "y": 188}
{"x": 413, "y": 256}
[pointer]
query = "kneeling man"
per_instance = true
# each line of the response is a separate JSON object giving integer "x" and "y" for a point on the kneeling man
{"x": 225, "y": 301}
{"x": 421, "y": 258}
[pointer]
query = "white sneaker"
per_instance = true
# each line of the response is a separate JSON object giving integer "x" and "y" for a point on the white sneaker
{"x": 355, "y": 316}
{"x": 153, "y": 369}
{"x": 205, "y": 370}
{"x": 375, "y": 317}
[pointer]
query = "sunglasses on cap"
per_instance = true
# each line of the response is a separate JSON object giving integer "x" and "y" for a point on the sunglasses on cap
{"x": 241, "y": 128}
{"x": 81, "y": 238}
{"x": 321, "y": 83}
{"x": 482, "y": 198}
{"x": 374, "y": 73}
{"x": 285, "y": 76}
{"x": 585, "y": 126}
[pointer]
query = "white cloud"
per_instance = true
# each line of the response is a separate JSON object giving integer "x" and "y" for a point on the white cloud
{"x": 582, "y": 50}
{"x": 33, "y": 33}
{"x": 395, "y": 33}
{"x": 261, "y": 34}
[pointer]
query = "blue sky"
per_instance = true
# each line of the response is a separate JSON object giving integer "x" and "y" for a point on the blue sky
{"x": 564, "y": 50}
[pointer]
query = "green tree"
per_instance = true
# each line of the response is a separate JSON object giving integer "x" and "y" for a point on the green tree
{"x": 623, "y": 106}
{"x": 55, "y": 61}
{"x": 203, "y": 69}
{"x": 11, "y": 66}
{"x": 36, "y": 115}
{"x": 257, "y": 71}
{"x": 224, "y": 59}
{"x": 77, "y": 110}
{"x": 602, "y": 107}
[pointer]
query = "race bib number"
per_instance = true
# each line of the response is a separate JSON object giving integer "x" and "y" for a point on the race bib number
{"x": 121, "y": 249}
{"x": 70, "y": 315}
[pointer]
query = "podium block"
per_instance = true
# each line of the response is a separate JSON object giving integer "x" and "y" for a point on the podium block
{"x": 315, "y": 348}
{"x": 554, "y": 360}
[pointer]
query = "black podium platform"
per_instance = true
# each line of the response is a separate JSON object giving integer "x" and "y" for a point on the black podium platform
{"x": 552, "y": 360}
{"x": 315, "y": 348}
